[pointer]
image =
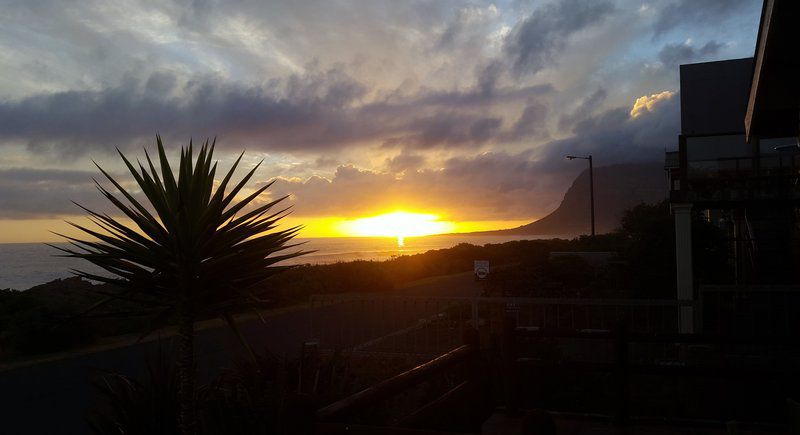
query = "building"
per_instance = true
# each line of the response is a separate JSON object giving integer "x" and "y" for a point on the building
{"x": 738, "y": 163}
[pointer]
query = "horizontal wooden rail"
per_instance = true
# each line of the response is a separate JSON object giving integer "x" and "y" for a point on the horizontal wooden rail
{"x": 397, "y": 383}
{"x": 356, "y": 429}
{"x": 366, "y": 297}
{"x": 527, "y": 332}
{"x": 660, "y": 370}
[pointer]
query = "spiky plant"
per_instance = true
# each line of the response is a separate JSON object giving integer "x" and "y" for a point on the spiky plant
{"x": 192, "y": 251}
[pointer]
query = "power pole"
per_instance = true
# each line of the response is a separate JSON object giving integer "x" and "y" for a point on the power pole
{"x": 591, "y": 190}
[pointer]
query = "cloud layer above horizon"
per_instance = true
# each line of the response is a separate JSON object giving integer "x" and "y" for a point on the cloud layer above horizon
{"x": 463, "y": 108}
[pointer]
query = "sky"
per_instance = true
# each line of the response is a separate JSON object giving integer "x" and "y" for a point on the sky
{"x": 458, "y": 109}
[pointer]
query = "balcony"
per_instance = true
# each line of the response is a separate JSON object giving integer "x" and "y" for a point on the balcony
{"x": 768, "y": 177}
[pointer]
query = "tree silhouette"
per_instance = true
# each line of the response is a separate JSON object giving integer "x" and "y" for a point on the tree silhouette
{"x": 192, "y": 250}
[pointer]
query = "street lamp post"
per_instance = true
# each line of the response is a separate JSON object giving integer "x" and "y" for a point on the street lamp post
{"x": 591, "y": 184}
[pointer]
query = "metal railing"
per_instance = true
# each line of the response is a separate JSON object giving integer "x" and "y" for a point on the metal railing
{"x": 625, "y": 363}
{"x": 519, "y": 334}
{"x": 432, "y": 325}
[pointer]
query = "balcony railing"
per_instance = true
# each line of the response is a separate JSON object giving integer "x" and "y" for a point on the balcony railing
{"x": 765, "y": 177}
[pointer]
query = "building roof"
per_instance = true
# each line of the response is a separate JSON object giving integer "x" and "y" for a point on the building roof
{"x": 774, "y": 99}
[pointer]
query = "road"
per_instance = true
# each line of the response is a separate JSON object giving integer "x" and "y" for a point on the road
{"x": 53, "y": 397}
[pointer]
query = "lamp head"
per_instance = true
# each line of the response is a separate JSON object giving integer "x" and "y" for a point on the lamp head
{"x": 571, "y": 157}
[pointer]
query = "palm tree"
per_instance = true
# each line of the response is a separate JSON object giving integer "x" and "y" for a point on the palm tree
{"x": 192, "y": 252}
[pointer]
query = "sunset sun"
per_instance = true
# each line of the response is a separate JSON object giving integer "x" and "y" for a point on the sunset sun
{"x": 399, "y": 224}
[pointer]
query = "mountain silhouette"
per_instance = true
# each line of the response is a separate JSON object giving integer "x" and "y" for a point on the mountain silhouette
{"x": 616, "y": 189}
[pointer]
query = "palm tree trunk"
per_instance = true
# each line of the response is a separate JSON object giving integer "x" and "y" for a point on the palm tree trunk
{"x": 186, "y": 387}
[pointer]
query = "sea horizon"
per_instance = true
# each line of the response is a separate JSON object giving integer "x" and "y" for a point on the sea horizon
{"x": 27, "y": 264}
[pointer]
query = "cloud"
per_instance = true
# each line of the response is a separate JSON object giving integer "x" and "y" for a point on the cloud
{"x": 469, "y": 24}
{"x": 304, "y": 110}
{"x": 532, "y": 122}
{"x": 646, "y": 103}
{"x": 464, "y": 107}
{"x": 496, "y": 185}
{"x": 318, "y": 110}
{"x": 46, "y": 193}
{"x": 482, "y": 187}
{"x": 404, "y": 161}
{"x": 447, "y": 130}
{"x": 585, "y": 107}
{"x": 534, "y": 42}
{"x": 615, "y": 136}
{"x": 324, "y": 162}
{"x": 693, "y": 13}
{"x": 672, "y": 55}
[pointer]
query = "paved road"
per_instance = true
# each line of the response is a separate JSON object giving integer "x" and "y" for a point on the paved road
{"x": 53, "y": 397}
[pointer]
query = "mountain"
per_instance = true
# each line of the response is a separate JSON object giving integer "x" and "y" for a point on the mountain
{"x": 616, "y": 188}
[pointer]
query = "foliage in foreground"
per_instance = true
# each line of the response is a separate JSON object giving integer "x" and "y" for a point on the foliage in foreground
{"x": 254, "y": 396}
{"x": 193, "y": 249}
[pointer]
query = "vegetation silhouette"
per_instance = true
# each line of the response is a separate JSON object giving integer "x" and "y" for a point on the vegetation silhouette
{"x": 644, "y": 269}
{"x": 193, "y": 251}
{"x": 266, "y": 394}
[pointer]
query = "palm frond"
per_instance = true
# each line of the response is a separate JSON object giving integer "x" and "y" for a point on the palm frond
{"x": 187, "y": 245}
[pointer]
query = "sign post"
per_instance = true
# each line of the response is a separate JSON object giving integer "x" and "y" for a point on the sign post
{"x": 481, "y": 269}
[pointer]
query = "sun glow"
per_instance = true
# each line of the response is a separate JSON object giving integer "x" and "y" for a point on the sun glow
{"x": 399, "y": 224}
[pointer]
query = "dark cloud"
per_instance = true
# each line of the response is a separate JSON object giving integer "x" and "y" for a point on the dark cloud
{"x": 532, "y": 122}
{"x": 588, "y": 105}
{"x": 488, "y": 75}
{"x": 46, "y": 193}
{"x": 484, "y": 95}
{"x": 614, "y": 136}
{"x": 492, "y": 185}
{"x": 672, "y": 55}
{"x": 467, "y": 27}
{"x": 448, "y": 130}
{"x": 534, "y": 42}
{"x": 313, "y": 111}
{"x": 309, "y": 110}
{"x": 404, "y": 161}
{"x": 693, "y": 12}
{"x": 484, "y": 129}
{"x": 498, "y": 185}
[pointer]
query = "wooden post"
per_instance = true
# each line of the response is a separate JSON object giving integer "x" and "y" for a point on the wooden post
{"x": 509, "y": 358}
{"x": 683, "y": 261}
{"x": 472, "y": 338}
{"x": 475, "y": 314}
{"x": 622, "y": 374}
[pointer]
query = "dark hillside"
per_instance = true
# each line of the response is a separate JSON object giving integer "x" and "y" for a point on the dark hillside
{"x": 617, "y": 188}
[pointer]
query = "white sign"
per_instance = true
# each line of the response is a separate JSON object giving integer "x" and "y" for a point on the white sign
{"x": 482, "y": 269}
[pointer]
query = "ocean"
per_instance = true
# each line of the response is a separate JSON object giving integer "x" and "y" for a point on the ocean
{"x": 24, "y": 265}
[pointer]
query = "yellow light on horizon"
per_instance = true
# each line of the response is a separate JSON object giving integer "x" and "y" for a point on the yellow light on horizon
{"x": 399, "y": 224}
